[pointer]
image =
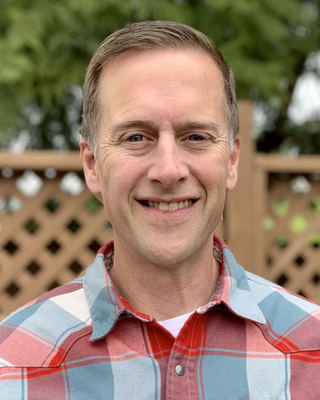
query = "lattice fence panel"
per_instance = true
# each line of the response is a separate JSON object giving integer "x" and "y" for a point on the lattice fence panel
{"x": 51, "y": 227}
{"x": 292, "y": 233}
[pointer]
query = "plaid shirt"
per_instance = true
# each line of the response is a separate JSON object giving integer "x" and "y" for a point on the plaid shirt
{"x": 82, "y": 341}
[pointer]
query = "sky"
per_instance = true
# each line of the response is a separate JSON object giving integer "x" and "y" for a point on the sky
{"x": 306, "y": 97}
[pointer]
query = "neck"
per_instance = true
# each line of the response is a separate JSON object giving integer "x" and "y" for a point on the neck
{"x": 165, "y": 292}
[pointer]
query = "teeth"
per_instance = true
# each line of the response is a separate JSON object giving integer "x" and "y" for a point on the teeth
{"x": 162, "y": 206}
{"x": 173, "y": 206}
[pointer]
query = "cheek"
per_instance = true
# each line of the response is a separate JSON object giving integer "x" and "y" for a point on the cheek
{"x": 119, "y": 176}
{"x": 213, "y": 171}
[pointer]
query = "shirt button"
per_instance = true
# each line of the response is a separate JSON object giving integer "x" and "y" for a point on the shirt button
{"x": 180, "y": 370}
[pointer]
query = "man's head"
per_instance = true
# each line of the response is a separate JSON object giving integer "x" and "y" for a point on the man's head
{"x": 151, "y": 35}
{"x": 163, "y": 160}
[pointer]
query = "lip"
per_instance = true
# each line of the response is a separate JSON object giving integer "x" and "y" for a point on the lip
{"x": 167, "y": 200}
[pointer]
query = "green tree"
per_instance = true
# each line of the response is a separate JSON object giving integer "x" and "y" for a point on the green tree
{"x": 46, "y": 45}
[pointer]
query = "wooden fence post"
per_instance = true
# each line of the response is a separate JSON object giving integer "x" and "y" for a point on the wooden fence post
{"x": 238, "y": 224}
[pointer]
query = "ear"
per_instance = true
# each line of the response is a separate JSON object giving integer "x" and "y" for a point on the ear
{"x": 233, "y": 165}
{"x": 90, "y": 169}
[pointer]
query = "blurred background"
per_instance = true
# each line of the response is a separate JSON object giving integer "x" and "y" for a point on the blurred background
{"x": 273, "y": 47}
{"x": 51, "y": 226}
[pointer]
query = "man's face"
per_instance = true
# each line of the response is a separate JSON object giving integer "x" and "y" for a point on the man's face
{"x": 163, "y": 163}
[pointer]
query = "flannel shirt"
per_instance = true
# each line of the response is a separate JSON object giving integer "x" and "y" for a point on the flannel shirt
{"x": 82, "y": 341}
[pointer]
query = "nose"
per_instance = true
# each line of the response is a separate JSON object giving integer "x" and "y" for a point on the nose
{"x": 168, "y": 166}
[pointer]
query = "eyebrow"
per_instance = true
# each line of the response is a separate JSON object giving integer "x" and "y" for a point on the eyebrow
{"x": 198, "y": 125}
{"x": 131, "y": 124}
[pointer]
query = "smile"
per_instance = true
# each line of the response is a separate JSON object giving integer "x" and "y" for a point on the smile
{"x": 164, "y": 206}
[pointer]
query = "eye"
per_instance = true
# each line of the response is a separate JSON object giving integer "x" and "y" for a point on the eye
{"x": 135, "y": 138}
{"x": 196, "y": 137}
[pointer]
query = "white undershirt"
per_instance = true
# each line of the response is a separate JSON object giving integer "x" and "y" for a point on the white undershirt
{"x": 174, "y": 325}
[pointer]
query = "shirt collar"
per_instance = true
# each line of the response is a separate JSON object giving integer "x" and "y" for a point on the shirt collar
{"x": 105, "y": 303}
{"x": 107, "y": 306}
{"x": 233, "y": 288}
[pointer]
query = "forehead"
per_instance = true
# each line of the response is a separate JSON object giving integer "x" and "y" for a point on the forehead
{"x": 171, "y": 80}
{"x": 158, "y": 62}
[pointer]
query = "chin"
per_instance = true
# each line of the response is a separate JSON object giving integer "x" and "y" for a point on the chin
{"x": 167, "y": 255}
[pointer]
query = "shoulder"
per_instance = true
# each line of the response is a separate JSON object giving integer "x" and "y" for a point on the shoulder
{"x": 45, "y": 327}
{"x": 292, "y": 321}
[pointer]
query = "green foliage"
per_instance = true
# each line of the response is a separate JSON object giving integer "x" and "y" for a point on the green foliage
{"x": 46, "y": 45}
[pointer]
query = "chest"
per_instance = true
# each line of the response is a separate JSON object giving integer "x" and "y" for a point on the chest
{"x": 218, "y": 359}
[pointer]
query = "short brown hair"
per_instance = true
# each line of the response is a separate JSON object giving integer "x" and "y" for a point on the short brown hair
{"x": 148, "y": 35}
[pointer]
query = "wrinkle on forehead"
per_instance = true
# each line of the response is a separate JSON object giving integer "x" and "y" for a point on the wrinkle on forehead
{"x": 133, "y": 66}
{"x": 176, "y": 87}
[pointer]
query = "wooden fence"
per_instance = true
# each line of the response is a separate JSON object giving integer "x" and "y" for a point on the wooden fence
{"x": 51, "y": 226}
{"x": 273, "y": 215}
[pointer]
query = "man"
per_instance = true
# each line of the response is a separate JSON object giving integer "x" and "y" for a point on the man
{"x": 164, "y": 312}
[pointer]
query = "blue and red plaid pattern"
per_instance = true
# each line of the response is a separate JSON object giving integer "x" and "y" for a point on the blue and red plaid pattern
{"x": 253, "y": 340}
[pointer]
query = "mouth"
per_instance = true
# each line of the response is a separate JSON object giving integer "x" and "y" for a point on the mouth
{"x": 168, "y": 206}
